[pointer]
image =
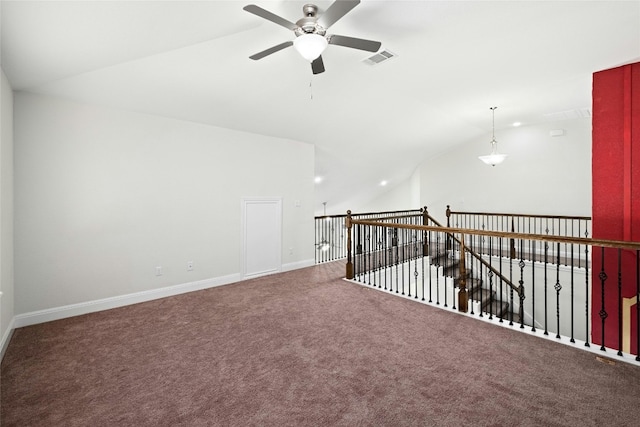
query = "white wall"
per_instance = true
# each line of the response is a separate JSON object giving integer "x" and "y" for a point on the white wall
{"x": 398, "y": 197}
{"x": 542, "y": 175}
{"x": 6, "y": 210}
{"x": 103, "y": 196}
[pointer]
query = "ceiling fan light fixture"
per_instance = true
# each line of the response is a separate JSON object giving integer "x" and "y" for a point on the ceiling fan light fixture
{"x": 310, "y": 46}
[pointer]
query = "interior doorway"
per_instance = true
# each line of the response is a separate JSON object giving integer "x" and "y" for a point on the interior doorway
{"x": 262, "y": 236}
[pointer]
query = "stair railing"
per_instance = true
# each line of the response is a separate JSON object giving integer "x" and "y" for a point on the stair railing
{"x": 608, "y": 308}
{"x": 477, "y": 256}
{"x": 554, "y": 225}
{"x": 378, "y": 258}
{"x": 331, "y": 237}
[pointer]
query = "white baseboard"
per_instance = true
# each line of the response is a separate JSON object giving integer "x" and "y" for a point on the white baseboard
{"x": 63, "y": 312}
{"x": 57, "y": 313}
{"x": 299, "y": 264}
{"x": 6, "y": 338}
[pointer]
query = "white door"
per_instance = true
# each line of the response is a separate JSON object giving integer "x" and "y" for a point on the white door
{"x": 262, "y": 236}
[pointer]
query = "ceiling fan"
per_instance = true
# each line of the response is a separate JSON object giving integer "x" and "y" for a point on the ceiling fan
{"x": 311, "y": 32}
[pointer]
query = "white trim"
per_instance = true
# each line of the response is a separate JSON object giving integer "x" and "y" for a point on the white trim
{"x": 298, "y": 264}
{"x": 6, "y": 338}
{"x": 56, "y": 313}
{"x": 277, "y": 203}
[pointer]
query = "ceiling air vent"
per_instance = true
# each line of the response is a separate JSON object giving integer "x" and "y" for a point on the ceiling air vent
{"x": 578, "y": 113}
{"x": 379, "y": 57}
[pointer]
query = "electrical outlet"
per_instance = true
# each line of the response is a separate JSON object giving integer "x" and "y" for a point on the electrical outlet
{"x": 189, "y": 265}
{"x": 290, "y": 251}
{"x": 158, "y": 271}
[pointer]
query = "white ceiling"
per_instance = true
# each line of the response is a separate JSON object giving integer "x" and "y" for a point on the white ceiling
{"x": 189, "y": 60}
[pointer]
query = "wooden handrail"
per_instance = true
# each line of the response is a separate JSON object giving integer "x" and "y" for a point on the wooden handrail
{"x": 385, "y": 218}
{"x": 510, "y": 235}
{"x": 450, "y": 212}
{"x": 367, "y": 213}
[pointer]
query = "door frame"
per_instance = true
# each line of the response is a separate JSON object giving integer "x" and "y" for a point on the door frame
{"x": 277, "y": 229}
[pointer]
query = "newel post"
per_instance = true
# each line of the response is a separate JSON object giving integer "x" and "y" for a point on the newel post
{"x": 347, "y": 223}
{"x": 425, "y": 221}
{"x": 463, "y": 297}
{"x": 448, "y": 212}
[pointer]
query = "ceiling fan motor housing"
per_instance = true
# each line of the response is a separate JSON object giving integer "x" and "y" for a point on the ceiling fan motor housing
{"x": 309, "y": 24}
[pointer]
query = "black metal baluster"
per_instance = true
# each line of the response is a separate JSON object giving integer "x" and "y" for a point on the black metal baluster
{"x": 472, "y": 285}
{"x": 603, "y": 313}
{"x": 415, "y": 272}
{"x": 385, "y": 231}
{"x": 586, "y": 292}
{"x": 353, "y": 231}
{"x": 404, "y": 255}
{"x": 358, "y": 260}
{"x": 376, "y": 256}
{"x": 397, "y": 259}
{"x": 334, "y": 239}
{"x": 490, "y": 279}
{"x": 430, "y": 263}
{"x": 500, "y": 242}
{"x": 510, "y": 288}
{"x": 558, "y": 288}
{"x": 533, "y": 286}
{"x": 411, "y": 244}
{"x": 448, "y": 254}
{"x": 619, "y": 302}
{"x": 546, "y": 261}
{"x": 423, "y": 256}
{"x": 438, "y": 268}
{"x": 368, "y": 239}
{"x": 572, "y": 262}
{"x": 453, "y": 282}
{"x": 317, "y": 254}
{"x": 481, "y": 287}
{"x": 521, "y": 264}
{"x": 389, "y": 259}
{"x": 638, "y": 305}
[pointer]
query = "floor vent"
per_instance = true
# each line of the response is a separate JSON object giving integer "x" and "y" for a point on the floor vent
{"x": 379, "y": 57}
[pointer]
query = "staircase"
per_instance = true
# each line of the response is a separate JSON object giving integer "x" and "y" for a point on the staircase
{"x": 478, "y": 291}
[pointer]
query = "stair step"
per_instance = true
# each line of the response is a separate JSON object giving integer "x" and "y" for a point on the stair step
{"x": 497, "y": 308}
{"x": 471, "y": 283}
{"x": 483, "y": 297}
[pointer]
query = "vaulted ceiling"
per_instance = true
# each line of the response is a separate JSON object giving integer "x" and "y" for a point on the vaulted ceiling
{"x": 190, "y": 60}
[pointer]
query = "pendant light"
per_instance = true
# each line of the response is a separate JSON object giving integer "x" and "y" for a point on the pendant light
{"x": 494, "y": 158}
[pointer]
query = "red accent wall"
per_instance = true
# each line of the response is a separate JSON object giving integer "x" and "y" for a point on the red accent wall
{"x": 616, "y": 193}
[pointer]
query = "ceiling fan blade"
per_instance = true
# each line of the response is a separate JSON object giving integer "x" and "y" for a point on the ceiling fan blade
{"x": 317, "y": 66}
{"x": 271, "y": 50}
{"x": 352, "y": 42}
{"x": 336, "y": 11}
{"x": 257, "y": 10}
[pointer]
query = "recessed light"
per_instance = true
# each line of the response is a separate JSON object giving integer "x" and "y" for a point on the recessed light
{"x": 317, "y": 179}
{"x": 516, "y": 124}
{"x": 383, "y": 183}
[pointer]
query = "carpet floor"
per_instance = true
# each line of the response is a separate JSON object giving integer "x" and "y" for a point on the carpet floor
{"x": 302, "y": 348}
